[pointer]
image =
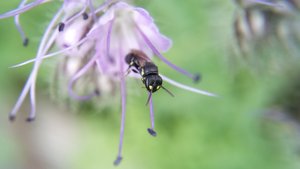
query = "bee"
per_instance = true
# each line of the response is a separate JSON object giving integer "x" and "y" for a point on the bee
{"x": 140, "y": 63}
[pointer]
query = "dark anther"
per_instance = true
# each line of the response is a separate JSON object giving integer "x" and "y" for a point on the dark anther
{"x": 85, "y": 16}
{"x": 197, "y": 78}
{"x": 12, "y": 118}
{"x": 118, "y": 161}
{"x": 61, "y": 27}
{"x": 111, "y": 60}
{"x": 152, "y": 132}
{"x": 30, "y": 119}
{"x": 97, "y": 92}
{"x": 25, "y": 42}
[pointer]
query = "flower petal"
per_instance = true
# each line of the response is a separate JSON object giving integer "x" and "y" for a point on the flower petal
{"x": 147, "y": 25}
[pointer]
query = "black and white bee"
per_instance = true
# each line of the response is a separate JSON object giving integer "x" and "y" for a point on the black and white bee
{"x": 139, "y": 63}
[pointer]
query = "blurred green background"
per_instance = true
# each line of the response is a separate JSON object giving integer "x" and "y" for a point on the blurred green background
{"x": 194, "y": 131}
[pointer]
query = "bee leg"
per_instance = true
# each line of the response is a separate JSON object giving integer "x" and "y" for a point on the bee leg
{"x": 127, "y": 71}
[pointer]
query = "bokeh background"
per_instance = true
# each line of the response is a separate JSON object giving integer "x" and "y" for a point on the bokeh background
{"x": 246, "y": 127}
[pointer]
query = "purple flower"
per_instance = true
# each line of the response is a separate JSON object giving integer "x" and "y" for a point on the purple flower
{"x": 97, "y": 39}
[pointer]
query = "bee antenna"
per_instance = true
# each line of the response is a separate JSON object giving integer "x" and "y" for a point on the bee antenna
{"x": 129, "y": 70}
{"x": 168, "y": 91}
{"x": 149, "y": 97}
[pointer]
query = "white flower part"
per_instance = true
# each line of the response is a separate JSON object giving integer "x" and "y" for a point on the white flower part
{"x": 72, "y": 65}
{"x": 104, "y": 82}
{"x": 72, "y": 34}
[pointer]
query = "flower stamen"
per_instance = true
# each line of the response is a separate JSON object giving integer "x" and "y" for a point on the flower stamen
{"x": 23, "y": 9}
{"x": 52, "y": 54}
{"x": 195, "y": 77}
{"x": 185, "y": 87}
{"x": 92, "y": 10}
{"x": 19, "y": 27}
{"x": 151, "y": 130}
{"x": 45, "y": 44}
{"x": 123, "y": 107}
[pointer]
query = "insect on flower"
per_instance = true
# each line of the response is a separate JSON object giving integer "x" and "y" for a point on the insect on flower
{"x": 147, "y": 69}
{"x": 112, "y": 38}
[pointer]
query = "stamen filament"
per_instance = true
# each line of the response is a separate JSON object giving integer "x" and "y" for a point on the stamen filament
{"x": 19, "y": 27}
{"x": 46, "y": 44}
{"x": 25, "y": 8}
{"x": 32, "y": 113}
{"x": 42, "y": 49}
{"x": 151, "y": 130}
{"x": 195, "y": 77}
{"x": 52, "y": 54}
{"x": 188, "y": 88}
{"x": 92, "y": 9}
{"x": 123, "y": 102}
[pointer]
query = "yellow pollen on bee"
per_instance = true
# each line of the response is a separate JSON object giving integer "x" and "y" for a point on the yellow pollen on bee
{"x": 158, "y": 87}
{"x": 143, "y": 72}
{"x": 150, "y": 87}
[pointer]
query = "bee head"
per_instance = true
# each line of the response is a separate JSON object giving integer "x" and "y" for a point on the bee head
{"x": 129, "y": 58}
{"x": 153, "y": 83}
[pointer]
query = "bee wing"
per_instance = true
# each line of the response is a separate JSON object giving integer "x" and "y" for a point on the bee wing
{"x": 141, "y": 55}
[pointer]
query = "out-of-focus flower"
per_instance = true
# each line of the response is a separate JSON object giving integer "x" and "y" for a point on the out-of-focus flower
{"x": 261, "y": 24}
{"x": 94, "y": 41}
